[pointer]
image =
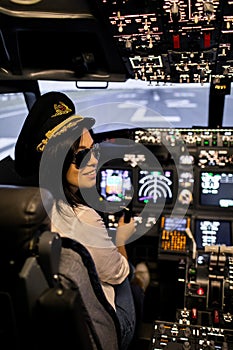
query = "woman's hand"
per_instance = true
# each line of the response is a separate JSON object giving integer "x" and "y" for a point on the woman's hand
{"x": 124, "y": 231}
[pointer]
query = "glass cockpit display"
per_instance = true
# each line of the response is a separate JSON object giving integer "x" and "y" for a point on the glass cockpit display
{"x": 116, "y": 185}
{"x": 216, "y": 189}
{"x": 155, "y": 186}
{"x": 210, "y": 232}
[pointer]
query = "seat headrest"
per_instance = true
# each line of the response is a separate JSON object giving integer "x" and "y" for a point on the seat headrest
{"x": 23, "y": 211}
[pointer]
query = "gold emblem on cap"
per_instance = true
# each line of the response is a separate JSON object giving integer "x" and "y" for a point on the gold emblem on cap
{"x": 58, "y": 130}
{"x": 60, "y": 109}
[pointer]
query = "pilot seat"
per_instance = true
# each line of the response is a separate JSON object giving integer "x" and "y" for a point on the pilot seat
{"x": 39, "y": 305}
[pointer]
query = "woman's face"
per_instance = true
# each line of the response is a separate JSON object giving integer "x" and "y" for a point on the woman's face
{"x": 83, "y": 177}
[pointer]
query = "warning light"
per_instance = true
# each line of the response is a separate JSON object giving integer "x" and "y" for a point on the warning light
{"x": 194, "y": 313}
{"x": 200, "y": 291}
{"x": 176, "y": 41}
{"x": 216, "y": 318}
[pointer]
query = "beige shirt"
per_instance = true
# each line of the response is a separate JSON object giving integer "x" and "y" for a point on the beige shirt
{"x": 86, "y": 226}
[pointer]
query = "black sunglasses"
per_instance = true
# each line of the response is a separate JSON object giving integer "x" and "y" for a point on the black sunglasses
{"x": 81, "y": 158}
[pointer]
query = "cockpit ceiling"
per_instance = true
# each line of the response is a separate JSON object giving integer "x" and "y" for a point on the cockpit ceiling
{"x": 159, "y": 41}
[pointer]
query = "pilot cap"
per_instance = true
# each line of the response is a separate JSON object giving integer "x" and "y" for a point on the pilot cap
{"x": 53, "y": 113}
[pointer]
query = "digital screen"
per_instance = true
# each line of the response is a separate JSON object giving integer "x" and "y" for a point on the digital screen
{"x": 212, "y": 232}
{"x": 174, "y": 223}
{"x": 216, "y": 189}
{"x": 173, "y": 237}
{"x": 155, "y": 186}
{"x": 116, "y": 185}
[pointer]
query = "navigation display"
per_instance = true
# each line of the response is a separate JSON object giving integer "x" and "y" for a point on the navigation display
{"x": 155, "y": 186}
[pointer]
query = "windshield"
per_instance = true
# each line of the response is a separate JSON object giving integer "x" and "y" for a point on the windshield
{"x": 131, "y": 104}
{"x": 139, "y": 104}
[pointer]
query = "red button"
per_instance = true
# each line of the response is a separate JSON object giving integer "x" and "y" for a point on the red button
{"x": 200, "y": 291}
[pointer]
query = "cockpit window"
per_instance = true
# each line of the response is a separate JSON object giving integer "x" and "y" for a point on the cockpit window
{"x": 140, "y": 104}
{"x": 132, "y": 104}
{"x": 13, "y": 111}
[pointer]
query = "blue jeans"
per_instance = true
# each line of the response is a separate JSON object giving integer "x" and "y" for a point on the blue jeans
{"x": 125, "y": 311}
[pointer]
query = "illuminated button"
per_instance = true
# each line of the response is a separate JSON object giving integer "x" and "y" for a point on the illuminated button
{"x": 200, "y": 291}
{"x": 225, "y": 143}
{"x": 194, "y": 313}
{"x": 214, "y": 143}
{"x": 206, "y": 143}
{"x": 216, "y": 318}
{"x": 192, "y": 271}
